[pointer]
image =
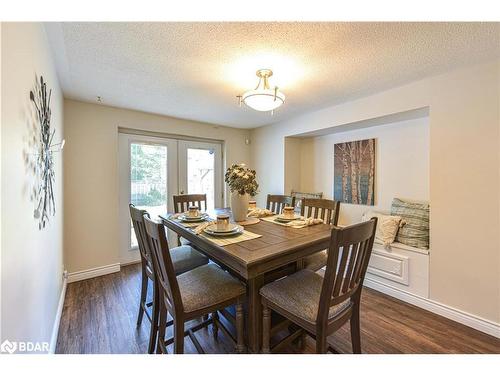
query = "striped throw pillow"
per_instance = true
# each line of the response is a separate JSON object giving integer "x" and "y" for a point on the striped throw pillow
{"x": 416, "y": 215}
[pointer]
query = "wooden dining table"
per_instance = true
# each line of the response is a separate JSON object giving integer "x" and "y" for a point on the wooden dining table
{"x": 277, "y": 252}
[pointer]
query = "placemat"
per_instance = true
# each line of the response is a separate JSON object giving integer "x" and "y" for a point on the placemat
{"x": 224, "y": 241}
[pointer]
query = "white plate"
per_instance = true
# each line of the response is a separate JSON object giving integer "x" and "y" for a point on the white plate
{"x": 230, "y": 228}
{"x": 212, "y": 230}
{"x": 283, "y": 219}
{"x": 193, "y": 219}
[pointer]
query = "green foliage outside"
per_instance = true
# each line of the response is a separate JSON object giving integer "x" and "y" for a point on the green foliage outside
{"x": 146, "y": 166}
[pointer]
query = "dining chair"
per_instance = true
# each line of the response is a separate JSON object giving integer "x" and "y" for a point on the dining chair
{"x": 191, "y": 295}
{"x": 321, "y": 305}
{"x": 182, "y": 203}
{"x": 184, "y": 259}
{"x": 325, "y": 209}
{"x": 276, "y": 203}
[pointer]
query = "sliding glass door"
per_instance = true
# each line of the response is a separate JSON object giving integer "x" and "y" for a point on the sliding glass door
{"x": 152, "y": 170}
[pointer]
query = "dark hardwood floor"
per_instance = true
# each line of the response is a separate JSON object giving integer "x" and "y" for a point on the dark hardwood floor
{"x": 100, "y": 315}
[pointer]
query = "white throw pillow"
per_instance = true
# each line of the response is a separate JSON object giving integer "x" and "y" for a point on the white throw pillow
{"x": 387, "y": 226}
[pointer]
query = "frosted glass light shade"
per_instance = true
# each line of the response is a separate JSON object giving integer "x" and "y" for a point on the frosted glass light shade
{"x": 263, "y": 99}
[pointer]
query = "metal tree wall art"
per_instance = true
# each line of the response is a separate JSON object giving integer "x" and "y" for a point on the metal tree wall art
{"x": 44, "y": 162}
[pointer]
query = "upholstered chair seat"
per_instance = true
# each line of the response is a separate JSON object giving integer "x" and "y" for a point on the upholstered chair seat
{"x": 184, "y": 242}
{"x": 316, "y": 261}
{"x": 186, "y": 258}
{"x": 207, "y": 286}
{"x": 300, "y": 294}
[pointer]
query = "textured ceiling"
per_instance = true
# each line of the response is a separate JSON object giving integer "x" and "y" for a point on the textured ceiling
{"x": 195, "y": 70}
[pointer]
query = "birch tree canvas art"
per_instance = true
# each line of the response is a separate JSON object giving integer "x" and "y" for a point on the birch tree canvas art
{"x": 354, "y": 172}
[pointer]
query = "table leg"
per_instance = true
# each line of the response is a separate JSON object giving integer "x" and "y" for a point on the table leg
{"x": 254, "y": 319}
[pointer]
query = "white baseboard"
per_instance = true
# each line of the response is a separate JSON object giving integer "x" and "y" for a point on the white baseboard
{"x": 57, "y": 320}
{"x": 473, "y": 321}
{"x": 93, "y": 272}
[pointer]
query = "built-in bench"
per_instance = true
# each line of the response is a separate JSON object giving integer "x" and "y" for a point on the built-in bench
{"x": 400, "y": 267}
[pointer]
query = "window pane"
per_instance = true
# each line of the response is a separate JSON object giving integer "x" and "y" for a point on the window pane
{"x": 201, "y": 176}
{"x": 148, "y": 179}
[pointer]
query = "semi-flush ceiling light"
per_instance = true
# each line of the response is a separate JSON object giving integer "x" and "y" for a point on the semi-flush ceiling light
{"x": 263, "y": 97}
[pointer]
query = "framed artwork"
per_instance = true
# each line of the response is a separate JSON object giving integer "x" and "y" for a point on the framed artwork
{"x": 354, "y": 172}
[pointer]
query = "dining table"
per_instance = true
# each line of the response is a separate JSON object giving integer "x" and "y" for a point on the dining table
{"x": 277, "y": 252}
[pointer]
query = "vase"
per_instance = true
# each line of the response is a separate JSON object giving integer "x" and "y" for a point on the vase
{"x": 239, "y": 206}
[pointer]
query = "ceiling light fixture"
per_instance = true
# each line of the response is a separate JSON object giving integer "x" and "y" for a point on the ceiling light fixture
{"x": 263, "y": 97}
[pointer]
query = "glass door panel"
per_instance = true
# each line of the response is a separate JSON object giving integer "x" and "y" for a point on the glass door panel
{"x": 200, "y": 171}
{"x": 148, "y": 179}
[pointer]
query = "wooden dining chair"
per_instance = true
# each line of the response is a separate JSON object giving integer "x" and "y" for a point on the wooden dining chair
{"x": 321, "y": 305}
{"x": 184, "y": 259}
{"x": 276, "y": 203}
{"x": 191, "y": 295}
{"x": 182, "y": 203}
{"x": 325, "y": 209}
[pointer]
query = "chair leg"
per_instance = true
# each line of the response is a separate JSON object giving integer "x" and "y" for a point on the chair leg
{"x": 355, "y": 330}
{"x": 154, "y": 321}
{"x": 215, "y": 324}
{"x": 178, "y": 336}
{"x": 321, "y": 345}
{"x": 240, "y": 345}
{"x": 142, "y": 302}
{"x": 163, "y": 316}
{"x": 266, "y": 329}
{"x": 302, "y": 342}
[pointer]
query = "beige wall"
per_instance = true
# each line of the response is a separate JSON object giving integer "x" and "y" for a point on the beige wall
{"x": 292, "y": 176}
{"x": 91, "y": 174}
{"x": 464, "y": 175}
{"x": 401, "y": 164}
{"x": 32, "y": 259}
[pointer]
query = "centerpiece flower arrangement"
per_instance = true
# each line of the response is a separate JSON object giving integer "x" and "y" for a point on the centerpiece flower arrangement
{"x": 242, "y": 184}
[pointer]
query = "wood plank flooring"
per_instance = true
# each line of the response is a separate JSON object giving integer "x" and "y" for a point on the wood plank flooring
{"x": 100, "y": 315}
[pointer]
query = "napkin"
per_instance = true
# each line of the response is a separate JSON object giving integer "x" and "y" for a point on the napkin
{"x": 260, "y": 212}
{"x": 304, "y": 222}
{"x": 199, "y": 229}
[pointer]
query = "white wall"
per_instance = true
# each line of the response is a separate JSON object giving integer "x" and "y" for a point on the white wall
{"x": 91, "y": 174}
{"x": 464, "y": 175}
{"x": 32, "y": 259}
{"x": 401, "y": 164}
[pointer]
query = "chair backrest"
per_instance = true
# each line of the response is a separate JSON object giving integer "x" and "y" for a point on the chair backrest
{"x": 325, "y": 209}
{"x": 348, "y": 256}
{"x": 276, "y": 203}
{"x": 137, "y": 217}
{"x": 163, "y": 266}
{"x": 182, "y": 202}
